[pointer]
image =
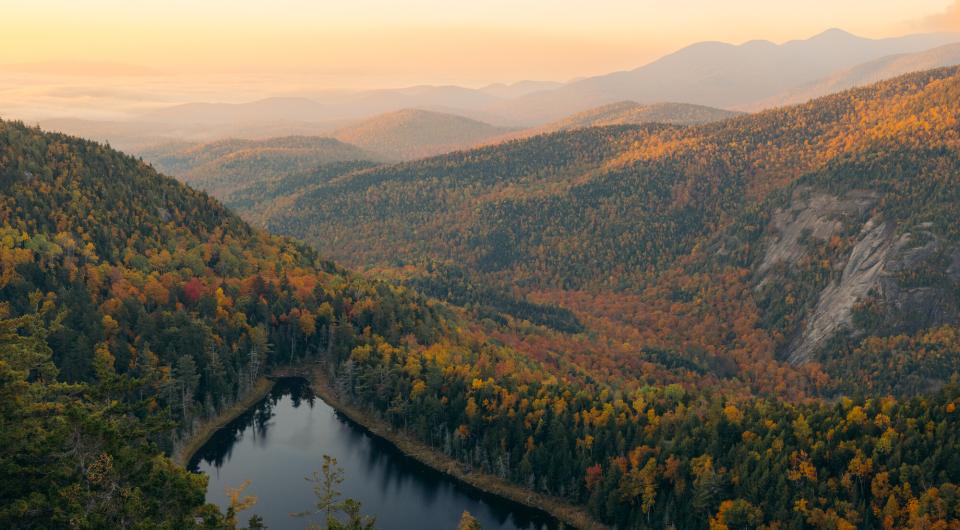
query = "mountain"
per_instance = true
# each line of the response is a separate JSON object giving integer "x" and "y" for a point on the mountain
{"x": 223, "y": 166}
{"x": 436, "y": 98}
{"x": 632, "y": 113}
{"x": 323, "y": 108}
{"x": 624, "y": 350}
{"x": 740, "y": 77}
{"x": 719, "y": 74}
{"x": 862, "y": 180}
{"x": 810, "y": 250}
{"x": 627, "y": 113}
{"x": 412, "y": 133}
{"x": 868, "y": 73}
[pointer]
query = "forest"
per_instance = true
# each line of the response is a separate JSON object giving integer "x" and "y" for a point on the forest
{"x": 613, "y": 330}
{"x": 656, "y": 238}
{"x": 223, "y": 166}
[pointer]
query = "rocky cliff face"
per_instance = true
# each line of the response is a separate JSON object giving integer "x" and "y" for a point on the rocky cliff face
{"x": 861, "y": 275}
{"x": 910, "y": 271}
{"x": 815, "y": 215}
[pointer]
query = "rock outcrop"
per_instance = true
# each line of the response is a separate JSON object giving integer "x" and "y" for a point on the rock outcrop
{"x": 879, "y": 266}
{"x": 834, "y": 309}
{"x": 818, "y": 215}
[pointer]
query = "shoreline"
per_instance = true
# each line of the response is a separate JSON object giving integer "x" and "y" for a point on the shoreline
{"x": 409, "y": 446}
{"x": 563, "y": 512}
{"x": 208, "y": 427}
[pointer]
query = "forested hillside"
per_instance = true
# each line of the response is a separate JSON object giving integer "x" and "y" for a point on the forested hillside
{"x": 275, "y": 189}
{"x": 769, "y": 223}
{"x": 224, "y": 166}
{"x": 413, "y": 133}
{"x": 628, "y": 113}
{"x": 132, "y": 307}
{"x": 641, "y": 346}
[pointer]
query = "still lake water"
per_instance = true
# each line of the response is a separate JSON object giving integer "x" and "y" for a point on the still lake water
{"x": 283, "y": 439}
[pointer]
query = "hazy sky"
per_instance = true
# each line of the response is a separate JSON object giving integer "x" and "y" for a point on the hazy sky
{"x": 366, "y": 43}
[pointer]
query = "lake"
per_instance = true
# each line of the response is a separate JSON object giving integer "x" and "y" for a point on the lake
{"x": 282, "y": 440}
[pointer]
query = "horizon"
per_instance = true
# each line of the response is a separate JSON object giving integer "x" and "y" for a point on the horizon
{"x": 95, "y": 68}
{"x": 102, "y": 89}
{"x": 425, "y": 42}
{"x": 109, "y": 61}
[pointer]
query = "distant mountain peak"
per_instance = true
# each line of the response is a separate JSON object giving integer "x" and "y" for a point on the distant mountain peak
{"x": 758, "y": 43}
{"x": 413, "y": 112}
{"x": 834, "y": 33}
{"x": 413, "y": 133}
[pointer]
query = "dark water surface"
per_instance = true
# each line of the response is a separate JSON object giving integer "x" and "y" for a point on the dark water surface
{"x": 283, "y": 439}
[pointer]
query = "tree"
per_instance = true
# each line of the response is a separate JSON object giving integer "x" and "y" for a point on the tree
{"x": 737, "y": 515}
{"x": 355, "y": 520}
{"x": 187, "y": 379}
{"x": 469, "y": 522}
{"x": 238, "y": 504}
{"x": 325, "y": 484}
{"x": 92, "y": 464}
{"x": 259, "y": 347}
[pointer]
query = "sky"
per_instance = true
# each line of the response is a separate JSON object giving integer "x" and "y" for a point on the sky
{"x": 118, "y": 59}
{"x": 383, "y": 43}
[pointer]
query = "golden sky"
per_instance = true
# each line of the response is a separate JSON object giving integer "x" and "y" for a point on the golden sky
{"x": 377, "y": 43}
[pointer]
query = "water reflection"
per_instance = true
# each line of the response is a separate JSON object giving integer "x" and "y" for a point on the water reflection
{"x": 282, "y": 439}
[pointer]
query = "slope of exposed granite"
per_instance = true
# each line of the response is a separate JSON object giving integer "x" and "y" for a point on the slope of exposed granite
{"x": 882, "y": 256}
{"x": 815, "y": 215}
{"x": 861, "y": 275}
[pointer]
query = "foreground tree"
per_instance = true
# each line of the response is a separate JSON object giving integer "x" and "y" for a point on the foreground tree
{"x": 330, "y": 506}
{"x": 71, "y": 458}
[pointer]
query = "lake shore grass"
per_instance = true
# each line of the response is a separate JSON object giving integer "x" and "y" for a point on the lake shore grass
{"x": 206, "y": 428}
{"x": 565, "y": 512}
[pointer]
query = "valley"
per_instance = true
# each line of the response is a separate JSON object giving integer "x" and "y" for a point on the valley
{"x": 716, "y": 291}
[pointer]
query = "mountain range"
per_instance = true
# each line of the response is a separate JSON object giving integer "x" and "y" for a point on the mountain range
{"x": 231, "y": 169}
{"x": 747, "y": 77}
{"x": 714, "y": 74}
{"x": 719, "y": 74}
{"x": 745, "y": 323}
